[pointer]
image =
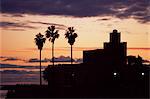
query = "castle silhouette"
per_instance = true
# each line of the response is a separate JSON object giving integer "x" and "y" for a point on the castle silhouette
{"x": 107, "y": 72}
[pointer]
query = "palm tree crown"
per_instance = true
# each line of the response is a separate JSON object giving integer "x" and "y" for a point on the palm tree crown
{"x": 52, "y": 34}
{"x": 39, "y": 40}
{"x": 70, "y": 35}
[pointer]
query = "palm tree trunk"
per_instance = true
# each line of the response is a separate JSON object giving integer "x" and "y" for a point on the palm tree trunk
{"x": 71, "y": 55}
{"x": 53, "y": 53}
{"x": 40, "y": 70}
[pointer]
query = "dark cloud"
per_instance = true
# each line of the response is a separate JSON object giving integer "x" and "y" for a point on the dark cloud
{"x": 6, "y": 58}
{"x": 67, "y": 59}
{"x": 2, "y": 56}
{"x": 9, "y": 24}
{"x": 11, "y": 59}
{"x": 137, "y": 9}
{"x": 21, "y": 26}
{"x": 18, "y": 66}
{"x": 62, "y": 59}
{"x": 58, "y": 26}
{"x": 15, "y": 26}
{"x": 13, "y": 15}
{"x": 12, "y": 29}
{"x": 56, "y": 59}
{"x": 32, "y": 60}
{"x": 104, "y": 19}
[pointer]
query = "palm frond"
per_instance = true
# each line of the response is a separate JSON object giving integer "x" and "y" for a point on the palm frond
{"x": 57, "y": 35}
{"x": 49, "y": 28}
{"x": 75, "y": 35}
{"x": 67, "y": 34}
{"x": 69, "y": 28}
{"x": 47, "y": 34}
{"x": 53, "y": 27}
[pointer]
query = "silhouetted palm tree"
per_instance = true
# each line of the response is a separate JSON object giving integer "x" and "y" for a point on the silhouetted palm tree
{"x": 52, "y": 35}
{"x": 70, "y": 35}
{"x": 40, "y": 40}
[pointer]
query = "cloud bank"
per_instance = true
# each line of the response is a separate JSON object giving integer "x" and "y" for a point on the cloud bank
{"x": 56, "y": 59}
{"x": 137, "y": 9}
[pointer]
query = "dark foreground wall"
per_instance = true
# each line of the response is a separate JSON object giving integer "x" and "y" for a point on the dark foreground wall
{"x": 89, "y": 80}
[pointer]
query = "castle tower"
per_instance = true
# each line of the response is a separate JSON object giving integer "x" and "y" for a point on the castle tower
{"x": 117, "y": 50}
{"x": 115, "y": 37}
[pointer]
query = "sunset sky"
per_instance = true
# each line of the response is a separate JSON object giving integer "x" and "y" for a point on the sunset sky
{"x": 93, "y": 20}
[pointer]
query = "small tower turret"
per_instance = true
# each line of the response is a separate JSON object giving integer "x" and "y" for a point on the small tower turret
{"x": 115, "y": 37}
